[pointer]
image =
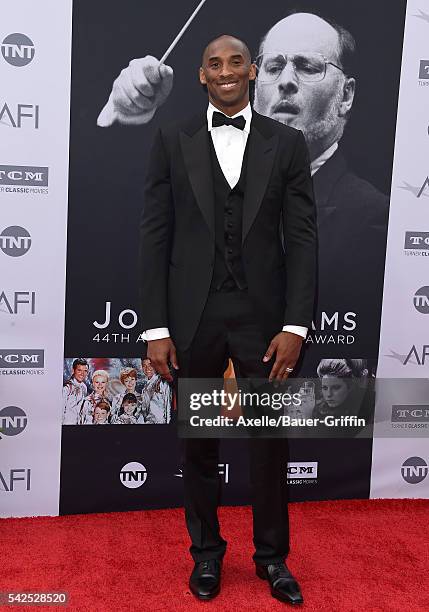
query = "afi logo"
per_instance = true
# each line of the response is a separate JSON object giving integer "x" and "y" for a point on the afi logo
{"x": 9, "y": 480}
{"x": 15, "y": 117}
{"x": 17, "y": 302}
{"x": 420, "y": 357}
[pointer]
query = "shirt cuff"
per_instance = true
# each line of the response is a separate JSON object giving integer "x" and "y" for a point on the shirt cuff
{"x": 296, "y": 329}
{"x": 157, "y": 333}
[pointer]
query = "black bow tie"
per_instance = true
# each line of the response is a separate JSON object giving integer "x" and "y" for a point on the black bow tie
{"x": 221, "y": 119}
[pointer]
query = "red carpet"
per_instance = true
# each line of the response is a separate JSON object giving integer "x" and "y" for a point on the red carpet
{"x": 347, "y": 555}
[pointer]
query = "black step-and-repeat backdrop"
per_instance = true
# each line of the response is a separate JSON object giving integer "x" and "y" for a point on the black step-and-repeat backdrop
{"x": 349, "y": 124}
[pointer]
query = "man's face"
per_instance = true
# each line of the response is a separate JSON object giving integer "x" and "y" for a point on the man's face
{"x": 100, "y": 415}
{"x": 226, "y": 71}
{"x": 80, "y": 373}
{"x": 130, "y": 383}
{"x": 317, "y": 108}
{"x": 99, "y": 383}
{"x": 147, "y": 368}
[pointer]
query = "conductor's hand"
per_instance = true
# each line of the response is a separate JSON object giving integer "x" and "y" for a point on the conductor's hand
{"x": 160, "y": 353}
{"x": 286, "y": 347}
{"x": 138, "y": 91}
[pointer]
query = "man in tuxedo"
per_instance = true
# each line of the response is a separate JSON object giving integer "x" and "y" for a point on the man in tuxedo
{"x": 228, "y": 262}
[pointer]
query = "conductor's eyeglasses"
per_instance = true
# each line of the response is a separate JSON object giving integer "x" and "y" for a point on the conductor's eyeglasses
{"x": 309, "y": 67}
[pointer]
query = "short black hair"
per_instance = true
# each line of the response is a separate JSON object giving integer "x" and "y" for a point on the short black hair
{"x": 80, "y": 361}
{"x": 246, "y": 48}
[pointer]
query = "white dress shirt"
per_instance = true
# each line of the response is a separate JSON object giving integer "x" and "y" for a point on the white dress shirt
{"x": 229, "y": 143}
{"x": 319, "y": 161}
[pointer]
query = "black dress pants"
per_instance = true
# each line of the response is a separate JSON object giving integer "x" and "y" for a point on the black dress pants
{"x": 228, "y": 329}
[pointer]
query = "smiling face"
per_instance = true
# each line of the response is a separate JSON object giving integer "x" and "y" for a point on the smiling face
{"x": 129, "y": 407}
{"x": 130, "y": 384}
{"x": 100, "y": 415}
{"x": 99, "y": 383}
{"x": 80, "y": 373}
{"x": 148, "y": 368}
{"x": 226, "y": 71}
{"x": 317, "y": 108}
{"x": 334, "y": 390}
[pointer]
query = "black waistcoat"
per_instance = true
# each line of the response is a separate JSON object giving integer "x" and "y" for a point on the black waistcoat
{"x": 228, "y": 270}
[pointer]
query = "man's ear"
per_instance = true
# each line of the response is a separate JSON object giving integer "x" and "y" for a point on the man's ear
{"x": 203, "y": 79}
{"x": 349, "y": 88}
{"x": 252, "y": 72}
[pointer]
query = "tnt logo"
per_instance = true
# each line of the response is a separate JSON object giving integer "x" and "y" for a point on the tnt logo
{"x": 133, "y": 475}
{"x": 414, "y": 470}
{"x": 13, "y": 421}
{"x": 18, "y": 50}
{"x": 421, "y": 300}
{"x": 15, "y": 241}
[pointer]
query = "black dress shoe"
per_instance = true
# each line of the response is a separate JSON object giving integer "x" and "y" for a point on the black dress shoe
{"x": 283, "y": 585}
{"x": 205, "y": 579}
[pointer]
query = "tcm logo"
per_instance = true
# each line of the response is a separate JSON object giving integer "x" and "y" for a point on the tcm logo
{"x": 20, "y": 115}
{"x": 13, "y": 421}
{"x": 22, "y": 358}
{"x": 17, "y": 478}
{"x": 18, "y": 302}
{"x": 223, "y": 471}
{"x": 414, "y": 470}
{"x": 417, "y": 241}
{"x": 424, "y": 69}
{"x": 15, "y": 241}
{"x": 410, "y": 413}
{"x": 133, "y": 475}
{"x": 17, "y": 49}
{"x": 31, "y": 176}
{"x": 421, "y": 300}
{"x": 302, "y": 470}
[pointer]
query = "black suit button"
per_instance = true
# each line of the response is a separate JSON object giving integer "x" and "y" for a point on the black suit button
{"x": 229, "y": 224}
{"x": 229, "y": 211}
{"x": 230, "y": 251}
{"x": 230, "y": 237}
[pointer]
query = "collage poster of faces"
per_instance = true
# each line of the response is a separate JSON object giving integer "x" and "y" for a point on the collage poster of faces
{"x": 109, "y": 391}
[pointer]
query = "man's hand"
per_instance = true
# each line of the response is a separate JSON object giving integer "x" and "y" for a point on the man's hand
{"x": 138, "y": 91}
{"x": 160, "y": 352}
{"x": 287, "y": 347}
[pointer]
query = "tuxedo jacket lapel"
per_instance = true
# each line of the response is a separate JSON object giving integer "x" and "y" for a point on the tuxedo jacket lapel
{"x": 260, "y": 161}
{"x": 196, "y": 154}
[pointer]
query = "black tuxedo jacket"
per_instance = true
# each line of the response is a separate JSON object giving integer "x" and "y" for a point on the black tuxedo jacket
{"x": 178, "y": 228}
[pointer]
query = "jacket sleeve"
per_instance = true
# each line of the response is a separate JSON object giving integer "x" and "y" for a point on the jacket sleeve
{"x": 155, "y": 238}
{"x": 300, "y": 237}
